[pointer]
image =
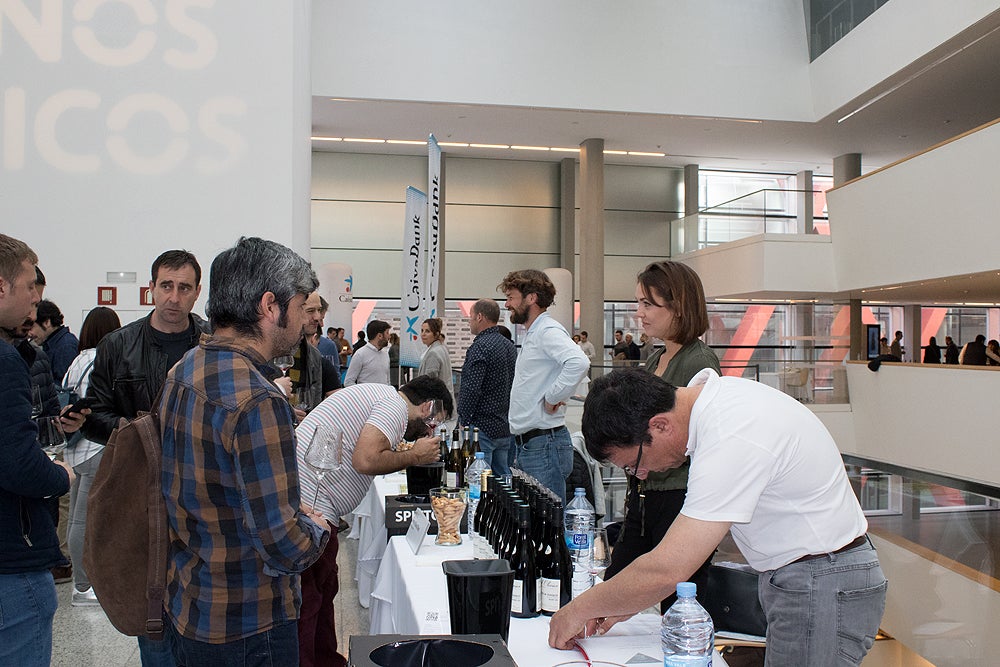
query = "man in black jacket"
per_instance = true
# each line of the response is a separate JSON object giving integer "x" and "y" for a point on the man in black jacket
{"x": 132, "y": 363}
{"x": 29, "y": 547}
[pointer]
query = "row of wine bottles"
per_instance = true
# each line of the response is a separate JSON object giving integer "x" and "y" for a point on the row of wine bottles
{"x": 522, "y": 522}
{"x": 460, "y": 455}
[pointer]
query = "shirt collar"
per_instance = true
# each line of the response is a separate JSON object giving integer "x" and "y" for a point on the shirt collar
{"x": 240, "y": 346}
{"x": 711, "y": 381}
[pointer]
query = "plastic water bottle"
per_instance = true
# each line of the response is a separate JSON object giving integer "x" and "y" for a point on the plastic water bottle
{"x": 579, "y": 521}
{"x": 474, "y": 480}
{"x": 687, "y": 633}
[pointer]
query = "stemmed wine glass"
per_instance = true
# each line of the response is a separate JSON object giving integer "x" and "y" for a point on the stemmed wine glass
{"x": 51, "y": 436}
{"x": 601, "y": 556}
{"x": 284, "y": 362}
{"x": 325, "y": 454}
{"x": 300, "y": 399}
{"x": 36, "y": 401}
{"x": 435, "y": 408}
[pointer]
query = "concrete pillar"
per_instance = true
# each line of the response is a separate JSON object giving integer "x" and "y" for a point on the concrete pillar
{"x": 846, "y": 167}
{"x": 859, "y": 341}
{"x": 567, "y": 214}
{"x": 592, "y": 241}
{"x": 911, "y": 333}
{"x": 691, "y": 203}
{"x": 804, "y": 196}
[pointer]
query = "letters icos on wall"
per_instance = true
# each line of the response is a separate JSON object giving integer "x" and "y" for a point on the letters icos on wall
{"x": 135, "y": 72}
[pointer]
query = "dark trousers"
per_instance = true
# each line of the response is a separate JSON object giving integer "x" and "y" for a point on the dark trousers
{"x": 271, "y": 648}
{"x": 317, "y": 629}
{"x": 658, "y": 511}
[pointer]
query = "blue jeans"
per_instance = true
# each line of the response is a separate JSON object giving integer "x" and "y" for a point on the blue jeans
{"x": 277, "y": 647}
{"x": 824, "y": 611}
{"x": 549, "y": 459}
{"x": 496, "y": 452}
{"x": 27, "y": 604}
{"x": 155, "y": 653}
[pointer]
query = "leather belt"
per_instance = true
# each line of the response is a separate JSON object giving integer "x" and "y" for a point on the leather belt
{"x": 522, "y": 438}
{"x": 853, "y": 544}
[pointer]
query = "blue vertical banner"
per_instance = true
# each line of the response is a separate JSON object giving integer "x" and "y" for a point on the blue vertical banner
{"x": 433, "y": 229}
{"x": 412, "y": 301}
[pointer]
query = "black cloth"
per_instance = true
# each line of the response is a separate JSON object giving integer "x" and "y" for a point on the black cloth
{"x": 487, "y": 376}
{"x": 28, "y": 540}
{"x": 620, "y": 348}
{"x": 632, "y": 352}
{"x": 62, "y": 347}
{"x": 975, "y": 354}
{"x": 656, "y": 503}
{"x": 358, "y": 344}
{"x": 175, "y": 345}
{"x": 932, "y": 354}
{"x": 129, "y": 370}
{"x": 951, "y": 354}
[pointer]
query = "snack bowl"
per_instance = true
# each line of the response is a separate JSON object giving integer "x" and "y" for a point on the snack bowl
{"x": 449, "y": 505}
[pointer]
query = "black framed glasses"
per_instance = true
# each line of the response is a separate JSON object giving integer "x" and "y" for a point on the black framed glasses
{"x": 634, "y": 470}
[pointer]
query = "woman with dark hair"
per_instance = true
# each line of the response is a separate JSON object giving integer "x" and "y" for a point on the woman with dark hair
{"x": 671, "y": 307}
{"x": 932, "y": 353}
{"x": 993, "y": 353}
{"x": 435, "y": 361}
{"x": 84, "y": 455}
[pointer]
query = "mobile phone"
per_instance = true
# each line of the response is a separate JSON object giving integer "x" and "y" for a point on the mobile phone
{"x": 85, "y": 402}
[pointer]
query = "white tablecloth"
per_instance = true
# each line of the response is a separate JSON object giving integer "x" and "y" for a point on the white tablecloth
{"x": 411, "y": 598}
{"x": 368, "y": 528}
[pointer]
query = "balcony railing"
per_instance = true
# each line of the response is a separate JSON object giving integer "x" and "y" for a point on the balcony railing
{"x": 761, "y": 212}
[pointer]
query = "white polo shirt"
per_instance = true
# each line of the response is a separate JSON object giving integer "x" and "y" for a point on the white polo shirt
{"x": 763, "y": 461}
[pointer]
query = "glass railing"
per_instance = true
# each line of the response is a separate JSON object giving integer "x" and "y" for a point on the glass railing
{"x": 761, "y": 212}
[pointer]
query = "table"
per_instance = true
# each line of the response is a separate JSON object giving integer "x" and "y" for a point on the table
{"x": 368, "y": 527}
{"x": 411, "y": 598}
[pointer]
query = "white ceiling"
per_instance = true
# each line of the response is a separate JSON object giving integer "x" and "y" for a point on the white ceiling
{"x": 951, "y": 90}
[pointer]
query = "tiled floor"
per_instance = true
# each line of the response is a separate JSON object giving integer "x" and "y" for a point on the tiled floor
{"x": 83, "y": 636}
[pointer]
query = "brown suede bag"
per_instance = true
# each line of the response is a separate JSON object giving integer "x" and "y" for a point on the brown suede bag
{"x": 125, "y": 547}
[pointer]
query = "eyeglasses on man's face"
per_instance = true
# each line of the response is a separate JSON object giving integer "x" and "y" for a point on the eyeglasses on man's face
{"x": 634, "y": 469}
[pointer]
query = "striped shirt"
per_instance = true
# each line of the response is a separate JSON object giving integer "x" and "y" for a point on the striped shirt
{"x": 348, "y": 410}
{"x": 237, "y": 537}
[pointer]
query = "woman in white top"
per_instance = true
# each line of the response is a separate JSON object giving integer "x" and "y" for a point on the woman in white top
{"x": 435, "y": 361}
{"x": 84, "y": 455}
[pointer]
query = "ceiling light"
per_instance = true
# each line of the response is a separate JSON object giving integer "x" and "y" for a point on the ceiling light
{"x": 529, "y": 148}
{"x": 365, "y": 141}
{"x": 407, "y": 142}
{"x": 607, "y": 152}
{"x": 452, "y": 144}
{"x": 647, "y": 154}
{"x": 504, "y": 146}
{"x": 326, "y": 139}
{"x": 564, "y": 150}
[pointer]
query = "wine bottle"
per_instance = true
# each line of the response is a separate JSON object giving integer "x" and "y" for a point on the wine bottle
{"x": 523, "y": 600}
{"x": 453, "y": 470}
{"x": 557, "y": 575}
{"x": 467, "y": 456}
{"x": 475, "y": 440}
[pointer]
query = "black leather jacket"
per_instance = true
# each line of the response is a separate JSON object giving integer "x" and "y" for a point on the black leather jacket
{"x": 129, "y": 370}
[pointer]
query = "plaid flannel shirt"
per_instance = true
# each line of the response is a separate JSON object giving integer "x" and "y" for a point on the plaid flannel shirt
{"x": 237, "y": 537}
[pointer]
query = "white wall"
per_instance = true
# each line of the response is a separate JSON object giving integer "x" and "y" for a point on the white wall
{"x": 501, "y": 215}
{"x": 766, "y": 263}
{"x": 148, "y": 126}
{"x": 892, "y": 38}
{"x": 928, "y": 217}
{"x": 698, "y": 57}
{"x": 927, "y": 418}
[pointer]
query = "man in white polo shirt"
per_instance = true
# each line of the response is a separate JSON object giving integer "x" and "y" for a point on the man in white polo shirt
{"x": 762, "y": 467}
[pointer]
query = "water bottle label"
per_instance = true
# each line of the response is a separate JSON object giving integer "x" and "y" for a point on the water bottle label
{"x": 474, "y": 492}
{"x": 580, "y": 541}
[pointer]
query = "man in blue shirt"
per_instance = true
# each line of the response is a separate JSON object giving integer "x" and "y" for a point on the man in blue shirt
{"x": 487, "y": 374}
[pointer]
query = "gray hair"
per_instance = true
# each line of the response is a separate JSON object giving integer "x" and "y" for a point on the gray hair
{"x": 488, "y": 308}
{"x": 242, "y": 275}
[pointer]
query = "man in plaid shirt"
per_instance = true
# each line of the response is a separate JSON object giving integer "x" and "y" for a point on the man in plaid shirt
{"x": 238, "y": 535}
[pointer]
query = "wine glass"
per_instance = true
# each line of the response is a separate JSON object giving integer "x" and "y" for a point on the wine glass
{"x": 284, "y": 362}
{"x": 36, "y": 401}
{"x": 601, "y": 557}
{"x": 435, "y": 413}
{"x": 300, "y": 399}
{"x": 51, "y": 436}
{"x": 325, "y": 454}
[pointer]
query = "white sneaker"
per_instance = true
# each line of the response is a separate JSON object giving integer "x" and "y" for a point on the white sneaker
{"x": 85, "y": 598}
